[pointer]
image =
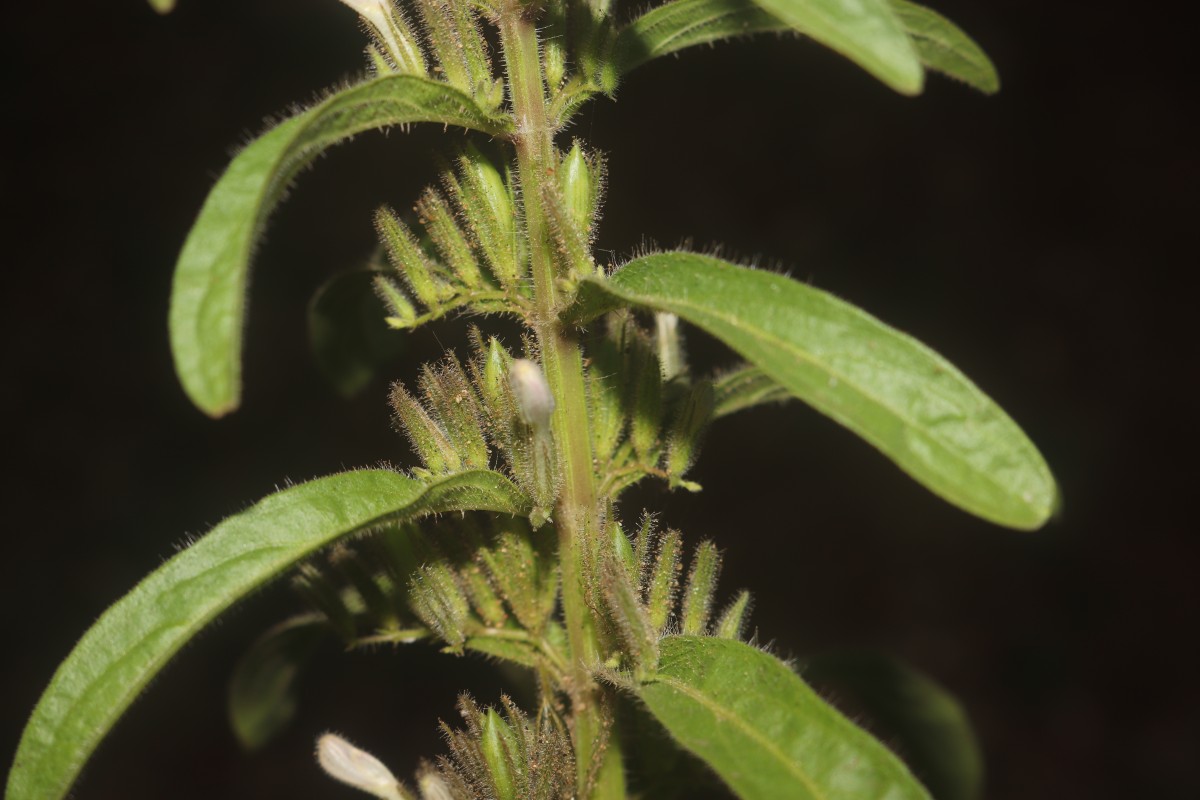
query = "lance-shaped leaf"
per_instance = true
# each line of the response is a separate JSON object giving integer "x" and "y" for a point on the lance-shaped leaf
{"x": 137, "y": 636}
{"x": 347, "y": 332}
{"x": 940, "y": 45}
{"x": 916, "y": 715}
{"x": 685, "y": 23}
{"x": 762, "y": 729}
{"x": 208, "y": 298}
{"x": 262, "y": 692}
{"x": 885, "y": 386}
{"x": 944, "y": 47}
{"x": 864, "y": 31}
{"x": 744, "y": 388}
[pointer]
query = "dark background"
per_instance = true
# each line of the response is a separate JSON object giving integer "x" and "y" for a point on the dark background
{"x": 1039, "y": 239}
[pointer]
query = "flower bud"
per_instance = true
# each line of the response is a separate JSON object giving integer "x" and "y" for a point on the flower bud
{"x": 669, "y": 341}
{"x": 638, "y": 635}
{"x": 433, "y": 787}
{"x": 500, "y": 751}
{"x": 664, "y": 582}
{"x": 487, "y": 203}
{"x": 733, "y": 618}
{"x": 438, "y": 600}
{"x": 393, "y": 32}
{"x": 535, "y": 403}
{"x": 692, "y": 418}
{"x": 698, "y": 595}
{"x": 647, "y": 403}
{"x": 442, "y": 226}
{"x": 495, "y": 366}
{"x": 407, "y": 257}
{"x": 402, "y": 315}
{"x": 578, "y": 188}
{"x": 344, "y": 762}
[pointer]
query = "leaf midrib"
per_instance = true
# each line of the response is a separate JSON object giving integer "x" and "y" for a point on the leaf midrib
{"x": 414, "y": 504}
{"x": 723, "y": 712}
{"x": 283, "y": 169}
{"x": 803, "y": 355}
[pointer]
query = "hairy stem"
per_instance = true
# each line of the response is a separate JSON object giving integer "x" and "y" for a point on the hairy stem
{"x": 577, "y": 515}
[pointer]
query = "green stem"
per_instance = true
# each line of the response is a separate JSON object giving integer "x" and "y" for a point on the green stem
{"x": 577, "y": 515}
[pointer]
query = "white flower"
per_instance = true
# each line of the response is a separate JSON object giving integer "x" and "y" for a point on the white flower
{"x": 378, "y": 14}
{"x": 373, "y": 11}
{"x": 358, "y": 768}
{"x": 535, "y": 403}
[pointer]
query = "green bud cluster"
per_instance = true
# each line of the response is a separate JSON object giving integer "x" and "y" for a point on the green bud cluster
{"x": 648, "y": 414}
{"x": 493, "y": 581}
{"x": 460, "y": 416}
{"x": 470, "y": 254}
{"x": 640, "y": 580}
{"x": 360, "y": 589}
{"x": 505, "y": 755}
{"x": 572, "y": 203}
{"x": 445, "y": 424}
{"x": 486, "y": 579}
{"x": 451, "y": 32}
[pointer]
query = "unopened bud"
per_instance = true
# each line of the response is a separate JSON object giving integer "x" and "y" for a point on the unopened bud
{"x": 535, "y": 403}
{"x": 733, "y": 619}
{"x": 373, "y": 11}
{"x": 402, "y": 315}
{"x": 392, "y": 31}
{"x": 344, "y": 762}
{"x": 487, "y": 202}
{"x": 578, "y": 188}
{"x": 433, "y": 787}
{"x": 499, "y": 747}
{"x": 495, "y": 365}
{"x": 669, "y": 339}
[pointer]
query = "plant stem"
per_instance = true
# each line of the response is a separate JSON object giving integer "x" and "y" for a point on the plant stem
{"x": 577, "y": 515}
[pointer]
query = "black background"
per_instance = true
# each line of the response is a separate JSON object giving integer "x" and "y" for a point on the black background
{"x": 1040, "y": 239}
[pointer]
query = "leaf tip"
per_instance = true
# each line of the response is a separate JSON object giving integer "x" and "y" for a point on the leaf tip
{"x": 910, "y": 83}
{"x": 215, "y": 408}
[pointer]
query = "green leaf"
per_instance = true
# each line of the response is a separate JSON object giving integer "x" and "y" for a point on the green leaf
{"x": 686, "y": 23}
{"x": 921, "y": 719}
{"x": 163, "y": 6}
{"x": 517, "y": 652}
{"x": 939, "y": 44}
{"x": 890, "y": 389}
{"x": 942, "y": 46}
{"x": 744, "y": 388}
{"x": 138, "y": 635}
{"x": 347, "y": 332}
{"x": 864, "y": 31}
{"x": 762, "y": 729}
{"x": 262, "y": 693}
{"x": 208, "y": 298}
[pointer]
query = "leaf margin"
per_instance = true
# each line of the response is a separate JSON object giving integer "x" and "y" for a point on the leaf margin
{"x": 45, "y": 766}
{"x": 208, "y": 303}
{"x": 657, "y": 33}
{"x": 758, "y": 670}
{"x": 597, "y": 295}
